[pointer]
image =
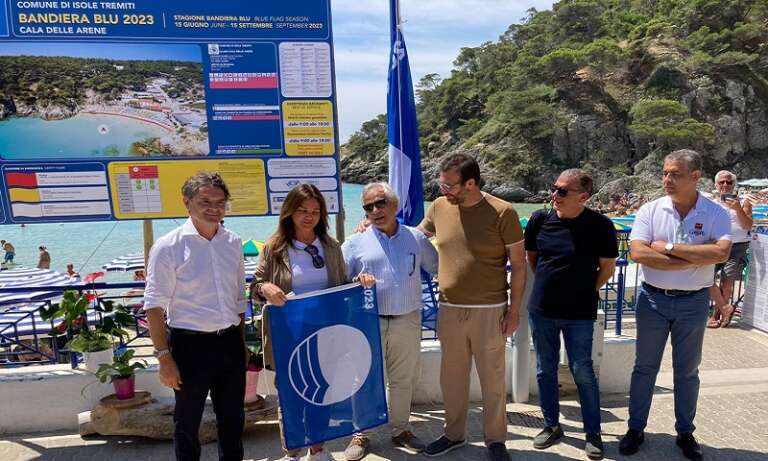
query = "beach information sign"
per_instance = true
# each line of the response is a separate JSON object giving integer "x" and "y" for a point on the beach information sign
{"x": 107, "y": 107}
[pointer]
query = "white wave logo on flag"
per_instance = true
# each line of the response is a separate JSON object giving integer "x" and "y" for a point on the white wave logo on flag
{"x": 331, "y": 365}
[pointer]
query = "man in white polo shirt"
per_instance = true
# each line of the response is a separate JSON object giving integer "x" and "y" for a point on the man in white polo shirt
{"x": 677, "y": 239}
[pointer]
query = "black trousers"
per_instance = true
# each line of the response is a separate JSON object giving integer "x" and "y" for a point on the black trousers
{"x": 215, "y": 364}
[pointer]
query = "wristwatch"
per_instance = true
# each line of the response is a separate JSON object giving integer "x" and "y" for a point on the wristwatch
{"x": 668, "y": 248}
{"x": 159, "y": 353}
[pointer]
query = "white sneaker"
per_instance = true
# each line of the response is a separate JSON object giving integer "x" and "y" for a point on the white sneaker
{"x": 321, "y": 456}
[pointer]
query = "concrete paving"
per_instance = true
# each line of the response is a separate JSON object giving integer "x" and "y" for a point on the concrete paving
{"x": 732, "y": 421}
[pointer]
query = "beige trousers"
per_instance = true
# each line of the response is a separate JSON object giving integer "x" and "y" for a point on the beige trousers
{"x": 464, "y": 334}
{"x": 401, "y": 348}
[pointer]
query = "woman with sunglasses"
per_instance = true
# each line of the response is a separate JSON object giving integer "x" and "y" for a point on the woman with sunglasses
{"x": 299, "y": 257}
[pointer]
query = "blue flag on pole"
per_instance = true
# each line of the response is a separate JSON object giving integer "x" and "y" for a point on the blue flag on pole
{"x": 403, "y": 129}
{"x": 328, "y": 359}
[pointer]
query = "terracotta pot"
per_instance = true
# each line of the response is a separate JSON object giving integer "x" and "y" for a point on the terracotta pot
{"x": 125, "y": 388}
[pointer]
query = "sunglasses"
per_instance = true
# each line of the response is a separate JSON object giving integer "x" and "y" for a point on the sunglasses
{"x": 379, "y": 204}
{"x": 561, "y": 191}
{"x": 725, "y": 181}
{"x": 317, "y": 260}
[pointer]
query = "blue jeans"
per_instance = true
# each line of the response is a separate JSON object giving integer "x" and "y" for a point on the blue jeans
{"x": 577, "y": 335}
{"x": 658, "y": 316}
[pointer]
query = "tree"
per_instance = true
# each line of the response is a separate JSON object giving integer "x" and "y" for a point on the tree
{"x": 668, "y": 124}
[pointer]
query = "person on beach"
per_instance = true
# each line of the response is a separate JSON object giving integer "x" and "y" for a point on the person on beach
{"x": 44, "y": 261}
{"x": 71, "y": 271}
{"x": 300, "y": 256}
{"x": 740, "y": 212}
{"x": 477, "y": 234}
{"x": 395, "y": 254}
{"x": 572, "y": 250}
{"x": 10, "y": 251}
{"x": 196, "y": 290}
{"x": 677, "y": 240}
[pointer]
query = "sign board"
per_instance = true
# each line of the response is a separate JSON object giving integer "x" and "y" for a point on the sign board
{"x": 106, "y": 107}
{"x": 754, "y": 310}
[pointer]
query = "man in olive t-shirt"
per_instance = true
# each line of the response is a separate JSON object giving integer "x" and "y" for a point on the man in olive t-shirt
{"x": 476, "y": 234}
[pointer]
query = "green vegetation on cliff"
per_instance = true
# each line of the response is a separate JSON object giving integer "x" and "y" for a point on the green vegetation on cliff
{"x": 599, "y": 84}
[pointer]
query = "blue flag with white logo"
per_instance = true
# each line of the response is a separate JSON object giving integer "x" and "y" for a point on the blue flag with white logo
{"x": 403, "y": 129}
{"x": 328, "y": 359}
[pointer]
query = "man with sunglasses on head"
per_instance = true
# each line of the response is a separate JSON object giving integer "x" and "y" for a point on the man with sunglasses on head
{"x": 572, "y": 250}
{"x": 477, "y": 234}
{"x": 195, "y": 302}
{"x": 677, "y": 240}
{"x": 740, "y": 213}
{"x": 395, "y": 255}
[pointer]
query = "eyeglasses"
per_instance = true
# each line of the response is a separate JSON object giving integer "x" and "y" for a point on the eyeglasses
{"x": 725, "y": 181}
{"x": 317, "y": 260}
{"x": 379, "y": 204}
{"x": 447, "y": 187}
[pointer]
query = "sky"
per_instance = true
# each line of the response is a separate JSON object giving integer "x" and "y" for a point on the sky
{"x": 434, "y": 31}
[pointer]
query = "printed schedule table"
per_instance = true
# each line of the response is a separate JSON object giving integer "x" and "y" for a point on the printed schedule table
{"x": 138, "y": 191}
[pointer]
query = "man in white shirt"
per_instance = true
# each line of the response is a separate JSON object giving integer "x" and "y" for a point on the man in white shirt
{"x": 677, "y": 240}
{"x": 196, "y": 291}
{"x": 740, "y": 212}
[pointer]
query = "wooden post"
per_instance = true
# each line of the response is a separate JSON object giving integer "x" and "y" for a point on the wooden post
{"x": 149, "y": 239}
{"x": 340, "y": 225}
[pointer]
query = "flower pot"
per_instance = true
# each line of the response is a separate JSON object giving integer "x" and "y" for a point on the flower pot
{"x": 251, "y": 383}
{"x": 125, "y": 388}
{"x": 92, "y": 360}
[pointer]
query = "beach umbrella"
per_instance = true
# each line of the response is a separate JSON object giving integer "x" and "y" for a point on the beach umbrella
{"x": 127, "y": 263}
{"x": 252, "y": 247}
{"x": 37, "y": 280}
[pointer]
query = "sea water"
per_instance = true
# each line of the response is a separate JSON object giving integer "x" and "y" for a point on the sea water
{"x": 90, "y": 245}
{"x": 82, "y": 136}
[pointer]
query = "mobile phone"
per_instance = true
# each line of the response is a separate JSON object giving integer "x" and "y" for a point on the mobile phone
{"x": 725, "y": 197}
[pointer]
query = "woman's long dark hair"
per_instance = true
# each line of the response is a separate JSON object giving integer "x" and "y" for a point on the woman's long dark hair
{"x": 286, "y": 232}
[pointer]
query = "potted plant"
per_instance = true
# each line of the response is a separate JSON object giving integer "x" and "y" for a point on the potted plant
{"x": 255, "y": 360}
{"x": 121, "y": 373}
{"x": 94, "y": 342}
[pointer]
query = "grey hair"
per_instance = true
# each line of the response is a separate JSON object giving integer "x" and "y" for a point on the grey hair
{"x": 690, "y": 157}
{"x": 389, "y": 193}
{"x": 586, "y": 182}
{"x": 726, "y": 173}
{"x": 202, "y": 179}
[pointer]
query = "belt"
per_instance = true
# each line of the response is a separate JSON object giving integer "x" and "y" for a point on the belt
{"x": 384, "y": 316}
{"x": 183, "y": 331}
{"x": 668, "y": 292}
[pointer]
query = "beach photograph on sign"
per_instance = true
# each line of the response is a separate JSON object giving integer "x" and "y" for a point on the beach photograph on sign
{"x": 122, "y": 100}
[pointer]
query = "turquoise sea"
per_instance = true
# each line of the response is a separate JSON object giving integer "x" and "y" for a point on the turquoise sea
{"x": 84, "y": 135}
{"x": 89, "y": 245}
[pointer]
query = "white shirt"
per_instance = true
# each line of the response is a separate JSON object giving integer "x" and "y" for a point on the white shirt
{"x": 200, "y": 283}
{"x": 305, "y": 276}
{"x": 706, "y": 222}
{"x": 738, "y": 233}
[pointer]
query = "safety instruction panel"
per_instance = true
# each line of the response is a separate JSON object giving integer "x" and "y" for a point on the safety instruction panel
{"x": 754, "y": 311}
{"x": 107, "y": 107}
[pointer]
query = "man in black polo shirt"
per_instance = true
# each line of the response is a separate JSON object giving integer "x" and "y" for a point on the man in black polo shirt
{"x": 572, "y": 250}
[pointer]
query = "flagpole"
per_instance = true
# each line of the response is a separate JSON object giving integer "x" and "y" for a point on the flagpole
{"x": 404, "y": 200}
